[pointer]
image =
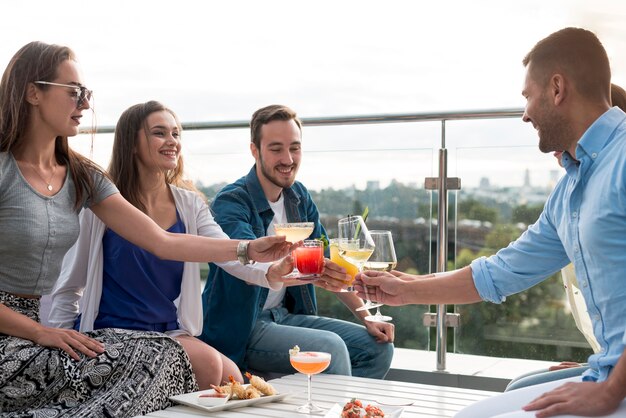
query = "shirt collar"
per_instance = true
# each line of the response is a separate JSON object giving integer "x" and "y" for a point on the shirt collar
{"x": 258, "y": 196}
{"x": 599, "y": 134}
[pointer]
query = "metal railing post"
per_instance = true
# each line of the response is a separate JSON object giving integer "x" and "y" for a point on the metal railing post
{"x": 441, "y": 319}
{"x": 442, "y": 246}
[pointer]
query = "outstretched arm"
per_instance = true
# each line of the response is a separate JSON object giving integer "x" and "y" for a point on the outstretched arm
{"x": 136, "y": 227}
{"x": 396, "y": 288}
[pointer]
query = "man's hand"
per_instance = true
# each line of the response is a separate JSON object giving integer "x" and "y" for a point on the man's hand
{"x": 383, "y": 287}
{"x": 68, "y": 340}
{"x": 334, "y": 277}
{"x": 384, "y": 332}
{"x": 588, "y": 399}
{"x": 564, "y": 365}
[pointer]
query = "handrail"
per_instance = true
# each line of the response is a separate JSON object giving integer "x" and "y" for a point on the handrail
{"x": 352, "y": 120}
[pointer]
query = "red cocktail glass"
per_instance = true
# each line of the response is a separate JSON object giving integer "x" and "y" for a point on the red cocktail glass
{"x": 310, "y": 259}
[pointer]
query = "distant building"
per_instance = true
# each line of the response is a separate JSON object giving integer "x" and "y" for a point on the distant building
{"x": 484, "y": 183}
{"x": 372, "y": 185}
{"x": 527, "y": 178}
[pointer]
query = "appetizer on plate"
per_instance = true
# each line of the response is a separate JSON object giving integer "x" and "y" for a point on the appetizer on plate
{"x": 257, "y": 388}
{"x": 261, "y": 385}
{"x": 355, "y": 409}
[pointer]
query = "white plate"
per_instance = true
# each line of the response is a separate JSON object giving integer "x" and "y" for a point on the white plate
{"x": 191, "y": 399}
{"x": 390, "y": 411}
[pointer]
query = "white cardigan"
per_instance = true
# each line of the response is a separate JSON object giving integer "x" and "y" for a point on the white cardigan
{"x": 79, "y": 287}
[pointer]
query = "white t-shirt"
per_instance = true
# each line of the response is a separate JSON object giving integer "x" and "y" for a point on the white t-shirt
{"x": 275, "y": 297}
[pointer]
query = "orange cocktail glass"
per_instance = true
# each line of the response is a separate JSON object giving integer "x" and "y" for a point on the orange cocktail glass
{"x": 309, "y": 363}
{"x": 351, "y": 269}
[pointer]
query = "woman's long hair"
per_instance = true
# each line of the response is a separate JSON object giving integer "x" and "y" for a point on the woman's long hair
{"x": 123, "y": 166}
{"x": 38, "y": 61}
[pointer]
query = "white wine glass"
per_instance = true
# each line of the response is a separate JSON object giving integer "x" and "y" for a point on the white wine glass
{"x": 355, "y": 243}
{"x": 294, "y": 232}
{"x": 382, "y": 259}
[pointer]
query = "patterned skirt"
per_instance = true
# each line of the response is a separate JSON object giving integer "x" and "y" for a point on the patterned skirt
{"x": 136, "y": 374}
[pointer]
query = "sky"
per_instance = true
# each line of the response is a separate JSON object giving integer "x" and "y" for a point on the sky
{"x": 221, "y": 60}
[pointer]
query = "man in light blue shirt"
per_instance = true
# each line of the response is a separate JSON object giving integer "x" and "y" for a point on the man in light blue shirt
{"x": 567, "y": 89}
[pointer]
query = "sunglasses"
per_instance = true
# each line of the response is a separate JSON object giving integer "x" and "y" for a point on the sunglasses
{"x": 82, "y": 93}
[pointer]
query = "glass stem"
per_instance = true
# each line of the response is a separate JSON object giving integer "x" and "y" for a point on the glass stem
{"x": 309, "y": 386}
{"x": 365, "y": 288}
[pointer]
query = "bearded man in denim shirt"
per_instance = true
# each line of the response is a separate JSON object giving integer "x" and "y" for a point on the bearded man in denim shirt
{"x": 567, "y": 90}
{"x": 256, "y": 326}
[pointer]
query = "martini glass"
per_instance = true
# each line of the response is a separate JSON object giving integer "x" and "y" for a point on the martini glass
{"x": 309, "y": 363}
{"x": 294, "y": 232}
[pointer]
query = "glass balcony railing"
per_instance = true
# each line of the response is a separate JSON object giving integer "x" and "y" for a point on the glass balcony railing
{"x": 381, "y": 162}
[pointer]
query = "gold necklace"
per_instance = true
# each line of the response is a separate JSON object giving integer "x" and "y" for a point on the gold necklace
{"x": 49, "y": 182}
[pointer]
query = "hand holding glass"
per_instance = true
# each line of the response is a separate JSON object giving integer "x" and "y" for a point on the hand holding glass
{"x": 309, "y": 260}
{"x": 382, "y": 259}
{"x": 294, "y": 232}
{"x": 355, "y": 243}
{"x": 310, "y": 363}
{"x": 351, "y": 269}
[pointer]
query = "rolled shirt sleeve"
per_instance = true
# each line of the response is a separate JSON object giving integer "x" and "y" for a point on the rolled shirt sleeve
{"x": 534, "y": 256}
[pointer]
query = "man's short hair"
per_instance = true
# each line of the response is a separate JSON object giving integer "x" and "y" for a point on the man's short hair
{"x": 268, "y": 114}
{"x": 576, "y": 53}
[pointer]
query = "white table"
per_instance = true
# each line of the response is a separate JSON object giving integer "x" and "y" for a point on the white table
{"x": 428, "y": 400}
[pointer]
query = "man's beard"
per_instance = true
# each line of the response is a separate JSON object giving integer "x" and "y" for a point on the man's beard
{"x": 555, "y": 132}
{"x": 273, "y": 179}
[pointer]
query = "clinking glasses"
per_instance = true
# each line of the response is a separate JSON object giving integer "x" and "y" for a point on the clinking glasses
{"x": 82, "y": 93}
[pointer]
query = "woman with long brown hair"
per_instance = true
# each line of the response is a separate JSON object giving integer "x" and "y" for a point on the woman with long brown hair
{"x": 43, "y": 187}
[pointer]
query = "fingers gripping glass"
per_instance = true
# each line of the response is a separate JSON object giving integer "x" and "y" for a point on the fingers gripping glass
{"x": 82, "y": 93}
{"x": 294, "y": 232}
{"x": 382, "y": 259}
{"x": 355, "y": 244}
{"x": 351, "y": 269}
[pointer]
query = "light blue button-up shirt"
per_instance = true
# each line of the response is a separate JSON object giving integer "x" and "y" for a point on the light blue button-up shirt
{"x": 583, "y": 221}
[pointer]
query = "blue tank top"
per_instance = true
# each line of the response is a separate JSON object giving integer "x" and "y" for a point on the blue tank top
{"x": 138, "y": 289}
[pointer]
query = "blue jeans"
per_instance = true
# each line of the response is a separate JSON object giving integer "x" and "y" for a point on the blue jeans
{"x": 353, "y": 351}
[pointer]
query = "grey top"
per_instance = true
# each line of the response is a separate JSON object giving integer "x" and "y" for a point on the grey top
{"x": 36, "y": 230}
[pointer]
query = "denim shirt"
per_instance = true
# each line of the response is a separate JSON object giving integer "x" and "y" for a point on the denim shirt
{"x": 232, "y": 306}
{"x": 583, "y": 221}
